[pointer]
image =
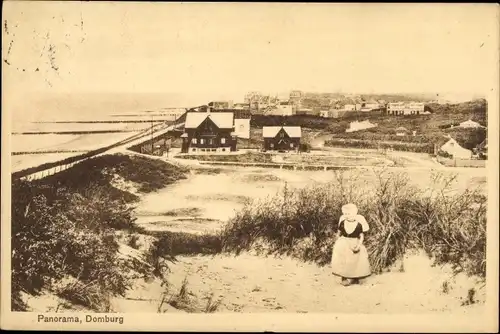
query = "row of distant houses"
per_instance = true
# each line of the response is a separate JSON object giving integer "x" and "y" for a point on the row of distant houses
{"x": 218, "y": 132}
{"x": 257, "y": 103}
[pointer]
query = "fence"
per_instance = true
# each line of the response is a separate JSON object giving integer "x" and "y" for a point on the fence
{"x": 54, "y": 167}
{"x": 51, "y": 168}
{"x": 51, "y": 171}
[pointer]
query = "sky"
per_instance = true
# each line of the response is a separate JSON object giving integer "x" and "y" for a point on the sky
{"x": 224, "y": 50}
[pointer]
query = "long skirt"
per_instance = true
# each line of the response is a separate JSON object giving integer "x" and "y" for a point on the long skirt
{"x": 346, "y": 263}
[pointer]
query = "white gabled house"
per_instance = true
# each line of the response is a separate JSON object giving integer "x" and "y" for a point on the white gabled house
{"x": 358, "y": 126}
{"x": 453, "y": 148}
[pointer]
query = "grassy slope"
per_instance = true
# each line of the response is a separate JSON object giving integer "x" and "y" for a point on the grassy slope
{"x": 64, "y": 227}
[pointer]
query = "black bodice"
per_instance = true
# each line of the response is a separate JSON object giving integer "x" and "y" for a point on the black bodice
{"x": 354, "y": 234}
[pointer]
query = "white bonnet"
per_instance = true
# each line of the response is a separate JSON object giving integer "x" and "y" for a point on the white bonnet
{"x": 349, "y": 209}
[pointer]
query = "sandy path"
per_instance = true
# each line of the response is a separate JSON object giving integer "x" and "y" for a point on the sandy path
{"x": 249, "y": 283}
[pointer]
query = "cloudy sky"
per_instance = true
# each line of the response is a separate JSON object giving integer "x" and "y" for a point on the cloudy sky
{"x": 227, "y": 49}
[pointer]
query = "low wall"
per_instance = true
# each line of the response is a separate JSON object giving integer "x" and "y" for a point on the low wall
{"x": 275, "y": 165}
{"x": 470, "y": 163}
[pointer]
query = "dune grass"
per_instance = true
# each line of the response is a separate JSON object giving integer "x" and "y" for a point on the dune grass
{"x": 451, "y": 228}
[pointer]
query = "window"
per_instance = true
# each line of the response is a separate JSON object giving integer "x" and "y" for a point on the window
{"x": 210, "y": 141}
{"x": 223, "y": 140}
{"x": 193, "y": 141}
{"x": 282, "y": 134}
{"x": 291, "y": 145}
{"x": 202, "y": 141}
{"x": 272, "y": 145}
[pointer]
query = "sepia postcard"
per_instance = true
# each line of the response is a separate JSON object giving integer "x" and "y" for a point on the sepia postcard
{"x": 192, "y": 166}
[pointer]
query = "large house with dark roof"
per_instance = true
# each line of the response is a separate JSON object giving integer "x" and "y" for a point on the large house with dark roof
{"x": 281, "y": 138}
{"x": 209, "y": 132}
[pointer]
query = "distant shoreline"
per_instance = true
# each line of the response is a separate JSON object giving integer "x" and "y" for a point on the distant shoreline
{"x": 70, "y": 132}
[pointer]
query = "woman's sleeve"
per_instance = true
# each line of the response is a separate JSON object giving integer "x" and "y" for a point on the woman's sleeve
{"x": 364, "y": 223}
{"x": 341, "y": 219}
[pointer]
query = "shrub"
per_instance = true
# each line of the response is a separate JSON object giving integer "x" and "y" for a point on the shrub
{"x": 133, "y": 241}
{"x": 150, "y": 174}
{"x": 468, "y": 138}
{"x": 87, "y": 295}
{"x": 94, "y": 209}
{"x": 246, "y": 157}
{"x": 306, "y": 121}
{"x": 65, "y": 226}
{"x": 444, "y": 154}
{"x": 398, "y": 146}
{"x": 287, "y": 219}
{"x": 47, "y": 246}
{"x": 172, "y": 244}
{"x": 212, "y": 305}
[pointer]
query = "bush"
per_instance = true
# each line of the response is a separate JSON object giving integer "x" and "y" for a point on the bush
{"x": 468, "y": 138}
{"x": 65, "y": 226}
{"x": 375, "y": 136}
{"x": 301, "y": 223}
{"x": 444, "y": 154}
{"x": 171, "y": 244}
{"x": 246, "y": 157}
{"x": 305, "y": 121}
{"x": 47, "y": 246}
{"x": 455, "y": 227}
{"x": 285, "y": 221}
{"x": 398, "y": 146}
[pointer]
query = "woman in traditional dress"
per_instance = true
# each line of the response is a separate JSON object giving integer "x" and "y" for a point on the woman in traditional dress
{"x": 349, "y": 255}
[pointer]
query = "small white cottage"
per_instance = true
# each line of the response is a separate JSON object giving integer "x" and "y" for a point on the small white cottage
{"x": 453, "y": 147}
{"x": 470, "y": 124}
{"x": 358, "y": 126}
{"x": 402, "y": 131}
